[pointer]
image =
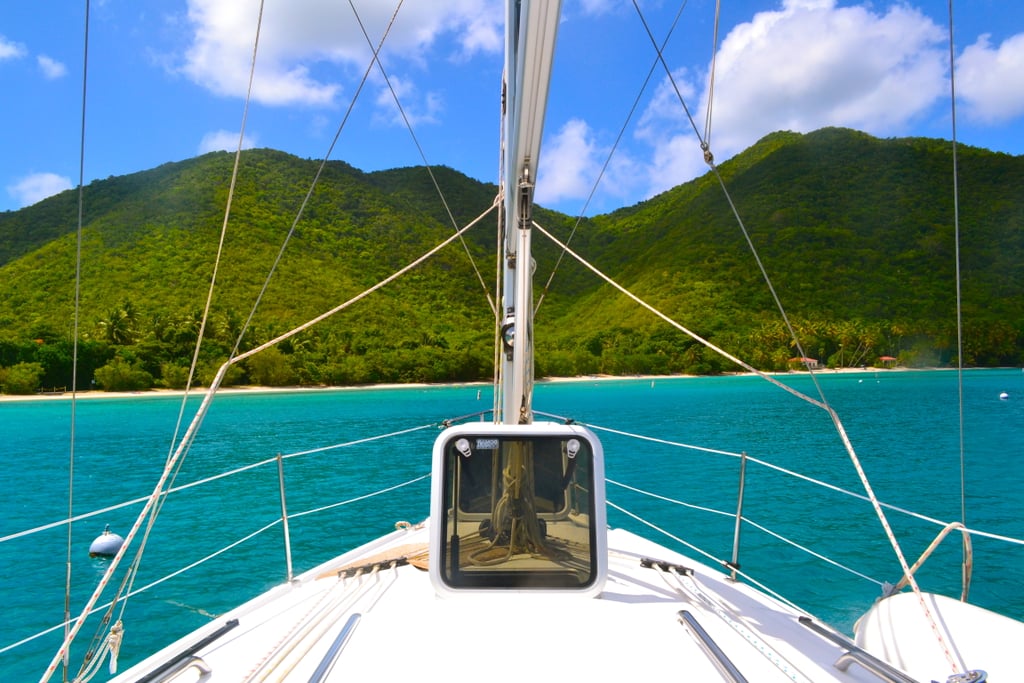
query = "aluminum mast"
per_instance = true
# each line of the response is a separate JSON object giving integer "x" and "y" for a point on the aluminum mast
{"x": 530, "y": 27}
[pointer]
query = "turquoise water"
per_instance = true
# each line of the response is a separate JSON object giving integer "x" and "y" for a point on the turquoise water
{"x": 904, "y": 426}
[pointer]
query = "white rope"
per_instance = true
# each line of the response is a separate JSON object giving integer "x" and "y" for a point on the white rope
{"x": 111, "y": 646}
{"x": 222, "y": 475}
{"x": 808, "y": 479}
{"x": 322, "y": 607}
{"x": 318, "y": 626}
{"x": 213, "y": 555}
{"x": 747, "y": 520}
{"x": 836, "y": 421}
{"x": 693, "y": 335}
{"x": 359, "y": 498}
{"x": 663, "y": 441}
{"x": 359, "y": 297}
{"x": 665, "y": 533}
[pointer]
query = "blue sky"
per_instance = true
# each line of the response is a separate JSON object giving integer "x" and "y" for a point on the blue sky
{"x": 167, "y": 81}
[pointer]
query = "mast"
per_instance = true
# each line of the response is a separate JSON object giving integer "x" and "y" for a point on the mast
{"x": 530, "y": 30}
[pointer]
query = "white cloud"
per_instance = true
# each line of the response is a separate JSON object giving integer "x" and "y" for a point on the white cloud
{"x": 675, "y": 161}
{"x": 221, "y": 55}
{"x": 991, "y": 80}
{"x": 224, "y": 141}
{"x": 37, "y": 187}
{"x": 308, "y": 48}
{"x": 481, "y": 35}
{"x": 675, "y": 154}
{"x": 570, "y": 162}
{"x": 664, "y": 109}
{"x": 51, "y": 68}
{"x": 807, "y": 65}
{"x": 418, "y": 108}
{"x": 597, "y": 7}
{"x": 573, "y": 160}
{"x": 9, "y": 50}
{"x": 812, "y": 64}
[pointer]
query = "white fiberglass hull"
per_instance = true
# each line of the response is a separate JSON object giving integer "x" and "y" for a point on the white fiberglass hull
{"x": 327, "y": 627}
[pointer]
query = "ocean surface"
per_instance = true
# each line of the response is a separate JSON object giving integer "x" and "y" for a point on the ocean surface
{"x": 905, "y": 427}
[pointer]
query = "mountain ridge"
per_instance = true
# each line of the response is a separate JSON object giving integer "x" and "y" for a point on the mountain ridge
{"x": 852, "y": 229}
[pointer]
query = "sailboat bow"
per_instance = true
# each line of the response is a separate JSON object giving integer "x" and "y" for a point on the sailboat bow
{"x": 515, "y": 573}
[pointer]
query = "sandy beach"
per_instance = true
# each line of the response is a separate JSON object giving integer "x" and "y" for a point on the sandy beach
{"x": 201, "y": 391}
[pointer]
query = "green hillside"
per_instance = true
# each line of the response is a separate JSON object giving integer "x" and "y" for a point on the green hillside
{"x": 856, "y": 234}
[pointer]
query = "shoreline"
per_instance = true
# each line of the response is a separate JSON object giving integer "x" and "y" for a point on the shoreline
{"x": 254, "y": 389}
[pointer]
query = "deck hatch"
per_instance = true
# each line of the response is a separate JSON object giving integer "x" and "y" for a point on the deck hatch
{"x": 518, "y": 507}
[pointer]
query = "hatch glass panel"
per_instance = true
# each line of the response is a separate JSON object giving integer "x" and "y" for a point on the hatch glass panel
{"x": 516, "y": 508}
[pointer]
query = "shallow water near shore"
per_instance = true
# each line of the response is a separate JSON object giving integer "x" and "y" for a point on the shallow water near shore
{"x": 904, "y": 426}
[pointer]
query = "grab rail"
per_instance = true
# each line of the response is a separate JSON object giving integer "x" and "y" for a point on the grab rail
{"x": 725, "y": 666}
{"x": 327, "y": 663}
{"x": 854, "y": 653}
{"x": 187, "y": 657}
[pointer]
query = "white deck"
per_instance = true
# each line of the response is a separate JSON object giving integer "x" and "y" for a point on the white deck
{"x": 632, "y": 629}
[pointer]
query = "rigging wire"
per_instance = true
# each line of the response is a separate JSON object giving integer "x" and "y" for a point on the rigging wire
{"x": 131, "y": 574}
{"x": 74, "y": 336}
{"x": 668, "y": 74}
{"x": 608, "y": 159}
{"x": 711, "y": 77}
{"x": 234, "y": 353}
{"x": 959, "y": 306}
{"x": 312, "y": 186}
{"x": 823, "y": 402}
{"x": 153, "y": 506}
{"x": 193, "y": 428}
{"x": 419, "y": 147}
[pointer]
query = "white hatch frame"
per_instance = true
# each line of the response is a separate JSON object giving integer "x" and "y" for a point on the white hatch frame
{"x": 518, "y": 509}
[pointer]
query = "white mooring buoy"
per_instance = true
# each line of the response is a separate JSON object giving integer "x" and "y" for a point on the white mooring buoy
{"x": 1004, "y": 396}
{"x": 106, "y": 544}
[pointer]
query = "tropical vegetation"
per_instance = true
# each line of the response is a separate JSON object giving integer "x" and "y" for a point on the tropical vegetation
{"x": 856, "y": 234}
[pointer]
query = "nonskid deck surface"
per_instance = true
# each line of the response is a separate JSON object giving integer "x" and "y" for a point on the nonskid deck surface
{"x": 374, "y": 610}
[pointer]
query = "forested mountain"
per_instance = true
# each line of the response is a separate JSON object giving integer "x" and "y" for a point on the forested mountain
{"x": 856, "y": 234}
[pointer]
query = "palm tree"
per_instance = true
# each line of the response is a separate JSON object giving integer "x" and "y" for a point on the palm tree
{"x": 120, "y": 326}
